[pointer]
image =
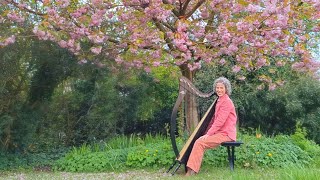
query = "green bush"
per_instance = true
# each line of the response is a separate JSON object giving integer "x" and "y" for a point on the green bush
{"x": 39, "y": 160}
{"x": 299, "y": 138}
{"x": 279, "y": 111}
{"x": 88, "y": 159}
{"x": 92, "y": 161}
{"x": 279, "y": 151}
{"x": 152, "y": 155}
{"x": 257, "y": 151}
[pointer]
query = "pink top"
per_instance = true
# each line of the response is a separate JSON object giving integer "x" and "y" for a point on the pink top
{"x": 225, "y": 118}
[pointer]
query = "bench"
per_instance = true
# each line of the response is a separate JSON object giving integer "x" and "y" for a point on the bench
{"x": 231, "y": 157}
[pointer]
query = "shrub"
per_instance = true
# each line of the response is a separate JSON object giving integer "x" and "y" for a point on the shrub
{"x": 257, "y": 151}
{"x": 262, "y": 152}
{"x": 92, "y": 161}
{"x": 152, "y": 155}
{"x": 132, "y": 151}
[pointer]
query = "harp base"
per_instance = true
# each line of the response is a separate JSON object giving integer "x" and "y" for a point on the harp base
{"x": 176, "y": 167}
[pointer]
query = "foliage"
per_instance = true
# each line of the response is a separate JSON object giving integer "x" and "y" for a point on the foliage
{"x": 278, "y": 111}
{"x": 42, "y": 161}
{"x": 84, "y": 160}
{"x": 49, "y": 100}
{"x": 256, "y": 152}
{"x": 299, "y": 138}
{"x": 187, "y": 34}
{"x": 262, "y": 152}
{"x": 152, "y": 155}
{"x": 134, "y": 151}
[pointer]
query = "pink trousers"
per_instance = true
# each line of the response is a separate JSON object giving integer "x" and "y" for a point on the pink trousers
{"x": 201, "y": 145}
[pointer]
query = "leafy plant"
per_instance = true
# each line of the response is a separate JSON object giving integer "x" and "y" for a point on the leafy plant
{"x": 152, "y": 155}
{"x": 262, "y": 151}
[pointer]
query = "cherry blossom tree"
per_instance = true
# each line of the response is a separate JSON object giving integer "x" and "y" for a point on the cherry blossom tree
{"x": 249, "y": 34}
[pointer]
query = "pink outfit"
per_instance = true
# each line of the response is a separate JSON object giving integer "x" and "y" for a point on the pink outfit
{"x": 222, "y": 128}
{"x": 225, "y": 118}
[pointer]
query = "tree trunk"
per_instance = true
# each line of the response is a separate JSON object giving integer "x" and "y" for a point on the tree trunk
{"x": 191, "y": 110}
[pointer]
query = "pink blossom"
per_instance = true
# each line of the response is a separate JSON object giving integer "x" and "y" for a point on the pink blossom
{"x": 15, "y": 17}
{"x": 232, "y": 49}
{"x": 97, "y": 38}
{"x": 226, "y": 38}
{"x": 272, "y": 86}
{"x": 63, "y": 3}
{"x": 70, "y": 43}
{"x": 96, "y": 50}
{"x": 97, "y": 2}
{"x": 243, "y": 26}
{"x": 39, "y": 33}
{"x": 62, "y": 44}
{"x": 138, "y": 64}
{"x": 236, "y": 8}
{"x": 194, "y": 66}
{"x": 147, "y": 69}
{"x": 302, "y": 38}
{"x": 156, "y": 54}
{"x": 317, "y": 6}
{"x": 186, "y": 56}
{"x": 51, "y": 11}
{"x": 299, "y": 50}
{"x": 236, "y": 69}
{"x": 156, "y": 64}
{"x": 282, "y": 20}
{"x": 83, "y": 61}
{"x": 261, "y": 62}
{"x": 222, "y": 61}
{"x": 199, "y": 33}
{"x": 76, "y": 14}
{"x": 297, "y": 65}
{"x": 9, "y": 40}
{"x": 253, "y": 8}
{"x": 279, "y": 63}
{"x": 205, "y": 14}
{"x": 119, "y": 60}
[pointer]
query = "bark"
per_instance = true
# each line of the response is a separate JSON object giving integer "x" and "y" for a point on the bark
{"x": 191, "y": 110}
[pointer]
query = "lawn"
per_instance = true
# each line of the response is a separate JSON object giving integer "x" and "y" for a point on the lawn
{"x": 206, "y": 173}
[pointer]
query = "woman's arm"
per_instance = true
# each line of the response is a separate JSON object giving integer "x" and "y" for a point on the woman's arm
{"x": 222, "y": 115}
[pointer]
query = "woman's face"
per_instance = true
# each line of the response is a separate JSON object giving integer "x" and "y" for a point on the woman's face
{"x": 220, "y": 89}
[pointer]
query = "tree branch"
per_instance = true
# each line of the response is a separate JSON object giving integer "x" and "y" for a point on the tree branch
{"x": 162, "y": 29}
{"x": 185, "y": 6}
{"x": 15, "y": 4}
{"x": 175, "y": 11}
{"x": 200, "y": 2}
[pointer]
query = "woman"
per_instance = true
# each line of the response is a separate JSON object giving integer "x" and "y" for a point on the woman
{"x": 222, "y": 127}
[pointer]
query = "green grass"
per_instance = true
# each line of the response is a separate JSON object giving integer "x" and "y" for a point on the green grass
{"x": 206, "y": 173}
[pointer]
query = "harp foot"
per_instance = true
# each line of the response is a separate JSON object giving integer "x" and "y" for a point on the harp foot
{"x": 175, "y": 169}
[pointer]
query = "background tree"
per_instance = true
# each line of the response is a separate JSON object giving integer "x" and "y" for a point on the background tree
{"x": 185, "y": 33}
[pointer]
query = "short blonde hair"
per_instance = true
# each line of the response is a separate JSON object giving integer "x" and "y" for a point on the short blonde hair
{"x": 225, "y": 82}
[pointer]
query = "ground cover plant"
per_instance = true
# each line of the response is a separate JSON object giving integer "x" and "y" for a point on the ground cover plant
{"x": 258, "y": 151}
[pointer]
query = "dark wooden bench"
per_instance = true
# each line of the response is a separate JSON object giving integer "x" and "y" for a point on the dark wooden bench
{"x": 231, "y": 157}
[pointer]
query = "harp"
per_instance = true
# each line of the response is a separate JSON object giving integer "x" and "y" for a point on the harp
{"x": 182, "y": 157}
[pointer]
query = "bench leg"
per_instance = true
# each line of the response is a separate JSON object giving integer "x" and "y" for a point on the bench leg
{"x": 231, "y": 157}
